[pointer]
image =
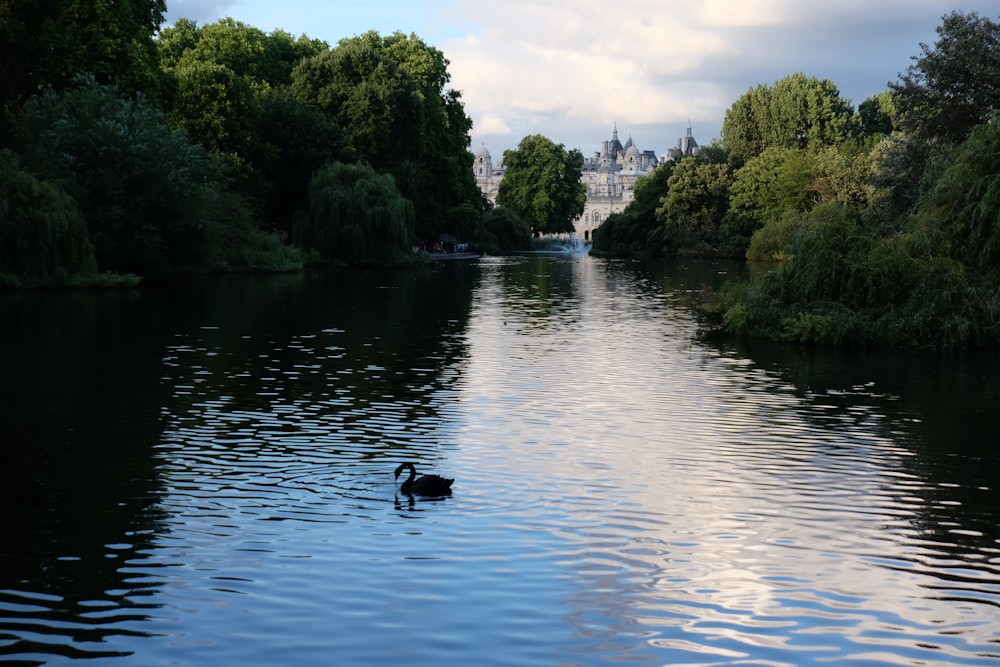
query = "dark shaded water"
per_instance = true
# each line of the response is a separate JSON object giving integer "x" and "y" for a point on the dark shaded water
{"x": 201, "y": 475}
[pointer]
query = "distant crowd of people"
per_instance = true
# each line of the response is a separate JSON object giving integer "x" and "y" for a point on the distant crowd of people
{"x": 442, "y": 247}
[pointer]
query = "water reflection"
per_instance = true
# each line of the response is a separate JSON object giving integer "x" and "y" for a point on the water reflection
{"x": 78, "y": 487}
{"x": 204, "y": 475}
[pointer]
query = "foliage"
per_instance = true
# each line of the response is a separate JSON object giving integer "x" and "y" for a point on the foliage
{"x": 265, "y": 59}
{"x": 356, "y": 215}
{"x": 902, "y": 242}
{"x": 951, "y": 87}
{"x": 965, "y": 200}
{"x": 877, "y": 115}
{"x": 368, "y": 94}
{"x": 216, "y": 107}
{"x": 627, "y": 233}
{"x": 442, "y": 186}
{"x": 696, "y": 201}
{"x": 47, "y": 43}
{"x": 774, "y": 182}
{"x": 43, "y": 236}
{"x": 502, "y": 231}
{"x": 947, "y": 91}
{"x": 229, "y": 80}
{"x": 389, "y": 95}
{"x": 152, "y": 200}
{"x": 844, "y": 284}
{"x": 296, "y": 139}
{"x": 542, "y": 184}
{"x": 772, "y": 241}
{"x": 797, "y": 112}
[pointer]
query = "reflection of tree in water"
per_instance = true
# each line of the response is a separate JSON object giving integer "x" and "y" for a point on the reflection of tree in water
{"x": 299, "y": 341}
{"x": 939, "y": 408}
{"x": 78, "y": 484}
{"x": 93, "y": 379}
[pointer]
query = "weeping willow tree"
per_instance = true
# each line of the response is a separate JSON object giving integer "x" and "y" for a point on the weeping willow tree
{"x": 43, "y": 235}
{"x": 356, "y": 215}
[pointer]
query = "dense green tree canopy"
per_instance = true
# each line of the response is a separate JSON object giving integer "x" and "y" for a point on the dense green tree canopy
{"x": 503, "y": 232}
{"x": 263, "y": 58}
{"x": 797, "y": 112}
{"x": 776, "y": 181}
{"x": 356, "y": 215}
{"x": 217, "y": 107}
{"x": 49, "y": 42}
{"x": 965, "y": 200}
{"x": 542, "y": 185}
{"x": 389, "y": 95}
{"x": 43, "y": 235}
{"x": 947, "y": 91}
{"x": 952, "y": 86}
{"x": 369, "y": 94}
{"x": 296, "y": 139}
{"x": 230, "y": 94}
{"x": 152, "y": 200}
{"x": 697, "y": 199}
{"x": 877, "y": 114}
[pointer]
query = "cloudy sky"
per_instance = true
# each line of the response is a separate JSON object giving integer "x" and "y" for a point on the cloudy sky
{"x": 572, "y": 70}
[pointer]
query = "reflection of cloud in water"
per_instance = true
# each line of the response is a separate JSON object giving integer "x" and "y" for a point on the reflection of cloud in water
{"x": 702, "y": 503}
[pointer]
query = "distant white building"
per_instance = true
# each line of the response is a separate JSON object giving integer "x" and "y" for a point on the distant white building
{"x": 487, "y": 176}
{"x": 610, "y": 176}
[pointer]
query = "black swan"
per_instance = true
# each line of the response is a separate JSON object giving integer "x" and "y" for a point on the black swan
{"x": 425, "y": 485}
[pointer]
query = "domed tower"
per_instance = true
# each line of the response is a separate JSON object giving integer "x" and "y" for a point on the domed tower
{"x": 632, "y": 157}
{"x": 483, "y": 164}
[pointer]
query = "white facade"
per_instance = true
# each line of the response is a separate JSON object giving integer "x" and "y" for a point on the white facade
{"x": 610, "y": 176}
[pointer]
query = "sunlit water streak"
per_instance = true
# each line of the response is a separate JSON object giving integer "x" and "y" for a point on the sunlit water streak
{"x": 625, "y": 493}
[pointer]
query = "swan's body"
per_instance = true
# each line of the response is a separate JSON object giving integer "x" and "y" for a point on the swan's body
{"x": 425, "y": 485}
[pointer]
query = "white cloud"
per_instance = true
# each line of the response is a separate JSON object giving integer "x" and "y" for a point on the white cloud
{"x": 493, "y": 125}
{"x": 571, "y": 69}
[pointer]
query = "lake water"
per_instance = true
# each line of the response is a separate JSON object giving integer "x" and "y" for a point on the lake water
{"x": 201, "y": 474}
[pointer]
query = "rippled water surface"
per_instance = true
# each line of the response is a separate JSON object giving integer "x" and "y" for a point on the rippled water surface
{"x": 202, "y": 475}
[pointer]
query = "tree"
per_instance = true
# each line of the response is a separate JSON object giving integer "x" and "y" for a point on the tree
{"x": 262, "y": 58}
{"x": 443, "y": 188}
{"x": 696, "y": 202}
{"x": 772, "y": 183}
{"x": 296, "y": 139}
{"x": 798, "y": 112}
{"x": 43, "y": 235}
{"x": 628, "y": 232}
{"x": 390, "y": 96}
{"x": 152, "y": 200}
{"x": 50, "y": 42}
{"x": 965, "y": 200}
{"x": 542, "y": 184}
{"x": 368, "y": 94}
{"x": 503, "y": 231}
{"x": 877, "y": 115}
{"x": 217, "y": 108}
{"x": 356, "y": 215}
{"x": 951, "y": 87}
{"x": 947, "y": 91}
{"x": 227, "y": 79}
